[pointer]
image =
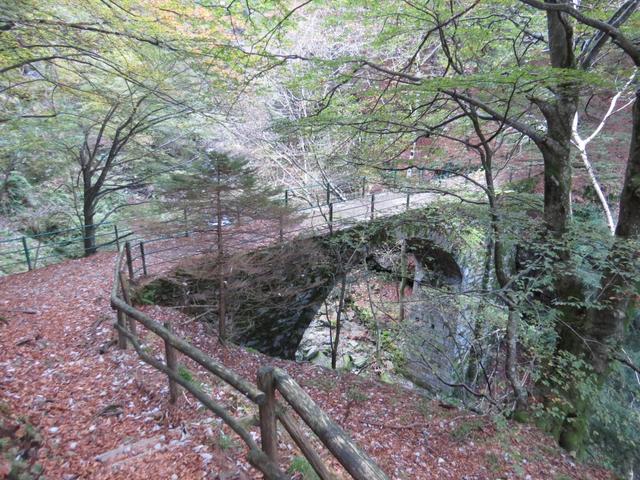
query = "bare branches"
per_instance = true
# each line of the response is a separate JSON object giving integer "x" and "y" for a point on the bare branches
{"x": 607, "y": 28}
{"x": 521, "y": 127}
{"x": 70, "y": 57}
{"x": 91, "y": 27}
{"x": 592, "y": 48}
{"x": 438, "y": 27}
{"x": 581, "y": 144}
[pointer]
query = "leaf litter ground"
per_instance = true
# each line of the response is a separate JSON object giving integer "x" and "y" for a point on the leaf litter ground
{"x": 103, "y": 414}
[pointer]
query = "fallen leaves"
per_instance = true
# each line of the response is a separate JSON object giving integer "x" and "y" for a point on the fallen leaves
{"x": 86, "y": 400}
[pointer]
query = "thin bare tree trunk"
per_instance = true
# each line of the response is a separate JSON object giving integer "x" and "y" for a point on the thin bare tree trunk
{"x": 594, "y": 182}
{"x": 222, "y": 327}
{"x": 336, "y": 338}
{"x": 403, "y": 279}
{"x": 581, "y": 145}
{"x": 373, "y": 312}
{"x": 519, "y": 391}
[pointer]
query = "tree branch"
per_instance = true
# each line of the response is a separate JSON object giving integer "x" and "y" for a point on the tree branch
{"x": 614, "y": 33}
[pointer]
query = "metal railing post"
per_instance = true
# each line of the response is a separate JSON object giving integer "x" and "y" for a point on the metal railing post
{"x": 26, "y": 253}
{"x": 373, "y": 204}
{"x": 144, "y": 259}
{"x": 331, "y": 219}
{"x": 127, "y": 251}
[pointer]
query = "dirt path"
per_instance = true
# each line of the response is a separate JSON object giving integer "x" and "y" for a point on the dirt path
{"x": 88, "y": 404}
{"x": 84, "y": 403}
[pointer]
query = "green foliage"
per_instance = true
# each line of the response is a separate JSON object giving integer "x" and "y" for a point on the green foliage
{"x": 16, "y": 449}
{"x": 500, "y": 422}
{"x": 323, "y": 383}
{"x": 614, "y": 426}
{"x": 493, "y": 462}
{"x": 355, "y": 394}
{"x": 221, "y": 180}
{"x": 302, "y": 466}
{"x": 425, "y": 408}
{"x": 568, "y": 379}
{"x": 225, "y": 442}
{"x": 526, "y": 185}
{"x": 389, "y": 344}
{"x": 465, "y": 430}
{"x": 365, "y": 315}
{"x": 15, "y": 193}
{"x": 185, "y": 374}
{"x": 149, "y": 294}
{"x": 177, "y": 71}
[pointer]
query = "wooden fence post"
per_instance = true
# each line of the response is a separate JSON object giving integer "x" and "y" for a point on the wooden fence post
{"x": 373, "y": 204}
{"x": 305, "y": 445}
{"x": 267, "y": 411}
{"x": 127, "y": 299}
{"x": 286, "y": 198}
{"x": 172, "y": 364}
{"x": 350, "y": 456}
{"x": 26, "y": 252}
{"x": 331, "y": 219}
{"x": 122, "y": 339}
{"x": 408, "y": 200}
{"x": 364, "y": 184}
{"x": 328, "y": 194}
{"x": 144, "y": 260}
{"x": 115, "y": 232}
{"x": 127, "y": 251}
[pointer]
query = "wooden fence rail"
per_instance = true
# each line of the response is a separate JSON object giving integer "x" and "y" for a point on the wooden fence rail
{"x": 270, "y": 380}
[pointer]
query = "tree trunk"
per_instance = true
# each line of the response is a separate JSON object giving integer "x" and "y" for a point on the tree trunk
{"x": 511, "y": 369}
{"x": 606, "y": 325}
{"x": 567, "y": 287}
{"x": 222, "y": 324}
{"x": 629, "y": 217}
{"x": 89, "y": 230}
{"x": 475, "y": 352}
{"x": 336, "y": 338}
{"x": 404, "y": 273}
{"x": 559, "y": 114}
{"x": 88, "y": 211}
{"x": 557, "y": 184}
{"x": 593, "y": 335}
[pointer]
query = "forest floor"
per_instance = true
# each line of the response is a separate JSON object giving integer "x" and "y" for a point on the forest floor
{"x": 82, "y": 410}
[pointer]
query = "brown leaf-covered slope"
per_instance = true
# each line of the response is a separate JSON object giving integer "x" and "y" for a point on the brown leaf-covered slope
{"x": 105, "y": 415}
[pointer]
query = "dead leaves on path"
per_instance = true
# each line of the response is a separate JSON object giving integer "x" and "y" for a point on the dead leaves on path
{"x": 59, "y": 372}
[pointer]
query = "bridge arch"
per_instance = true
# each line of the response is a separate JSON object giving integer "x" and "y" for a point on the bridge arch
{"x": 281, "y": 288}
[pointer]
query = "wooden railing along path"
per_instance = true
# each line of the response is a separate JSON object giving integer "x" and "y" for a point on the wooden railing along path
{"x": 263, "y": 457}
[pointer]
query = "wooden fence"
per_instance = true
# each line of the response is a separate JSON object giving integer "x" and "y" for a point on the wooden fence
{"x": 269, "y": 381}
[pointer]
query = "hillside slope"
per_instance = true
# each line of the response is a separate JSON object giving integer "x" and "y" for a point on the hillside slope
{"x": 107, "y": 416}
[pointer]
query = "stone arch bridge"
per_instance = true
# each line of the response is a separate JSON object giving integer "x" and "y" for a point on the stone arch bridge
{"x": 274, "y": 292}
